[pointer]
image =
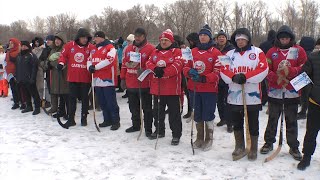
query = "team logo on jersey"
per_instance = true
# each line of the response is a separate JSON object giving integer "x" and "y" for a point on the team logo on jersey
{"x": 252, "y": 56}
{"x": 161, "y": 63}
{"x": 154, "y": 59}
{"x": 171, "y": 59}
{"x": 72, "y": 50}
{"x": 78, "y": 57}
{"x": 274, "y": 56}
{"x": 199, "y": 66}
{"x": 93, "y": 51}
{"x": 210, "y": 59}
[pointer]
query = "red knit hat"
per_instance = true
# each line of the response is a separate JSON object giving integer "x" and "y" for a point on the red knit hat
{"x": 167, "y": 34}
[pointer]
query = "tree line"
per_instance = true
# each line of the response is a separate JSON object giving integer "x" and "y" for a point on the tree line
{"x": 182, "y": 16}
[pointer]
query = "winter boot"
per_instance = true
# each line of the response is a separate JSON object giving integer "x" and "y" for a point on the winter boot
{"x": 15, "y": 106}
{"x": 148, "y": 133}
{"x": 295, "y": 153}
{"x": 221, "y": 123}
{"x": 70, "y": 121}
{"x": 209, "y": 136}
{"x": 266, "y": 148}
{"x": 36, "y": 111}
{"x": 27, "y": 109}
{"x": 54, "y": 104}
{"x": 239, "y": 151}
{"x": 105, "y": 124}
{"x": 252, "y": 155}
{"x": 115, "y": 126}
{"x": 198, "y": 143}
{"x": 84, "y": 120}
{"x": 304, "y": 163}
{"x": 154, "y": 135}
{"x": 23, "y": 106}
{"x": 175, "y": 141}
{"x": 132, "y": 129}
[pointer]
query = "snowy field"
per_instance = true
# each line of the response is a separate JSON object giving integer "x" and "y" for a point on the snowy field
{"x": 37, "y": 148}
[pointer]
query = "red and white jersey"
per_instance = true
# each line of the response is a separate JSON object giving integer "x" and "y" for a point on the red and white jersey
{"x": 253, "y": 64}
{"x": 76, "y": 57}
{"x": 104, "y": 60}
{"x": 278, "y": 57}
{"x": 170, "y": 83}
{"x": 207, "y": 63}
{"x": 129, "y": 73}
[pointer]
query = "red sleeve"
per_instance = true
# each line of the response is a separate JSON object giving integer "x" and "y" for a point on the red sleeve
{"x": 176, "y": 67}
{"x": 260, "y": 72}
{"x": 64, "y": 56}
{"x": 216, "y": 66}
{"x": 272, "y": 75}
{"x": 149, "y": 64}
{"x": 187, "y": 68}
{"x": 302, "y": 58}
{"x": 123, "y": 70}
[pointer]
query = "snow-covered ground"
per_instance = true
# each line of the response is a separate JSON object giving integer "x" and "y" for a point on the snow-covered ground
{"x": 36, "y": 147}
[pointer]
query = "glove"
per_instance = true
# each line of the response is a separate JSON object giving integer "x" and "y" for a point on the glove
{"x": 201, "y": 79}
{"x": 140, "y": 71}
{"x": 92, "y": 68}
{"x": 283, "y": 71}
{"x": 159, "y": 71}
{"x": 239, "y": 78}
{"x": 193, "y": 72}
{"x": 123, "y": 84}
{"x": 59, "y": 67}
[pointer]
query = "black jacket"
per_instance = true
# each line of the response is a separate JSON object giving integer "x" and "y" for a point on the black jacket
{"x": 312, "y": 68}
{"x": 27, "y": 68}
{"x": 266, "y": 45}
{"x": 307, "y": 43}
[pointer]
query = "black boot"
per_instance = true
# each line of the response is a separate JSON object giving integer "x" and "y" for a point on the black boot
{"x": 115, "y": 126}
{"x": 229, "y": 128}
{"x": 84, "y": 120}
{"x": 23, "y": 106}
{"x": 36, "y": 111}
{"x": 27, "y": 109}
{"x": 221, "y": 123}
{"x": 133, "y": 129}
{"x": 175, "y": 141}
{"x": 15, "y": 106}
{"x": 148, "y": 133}
{"x": 304, "y": 163}
{"x": 266, "y": 148}
{"x": 154, "y": 135}
{"x": 70, "y": 122}
{"x": 105, "y": 124}
{"x": 295, "y": 153}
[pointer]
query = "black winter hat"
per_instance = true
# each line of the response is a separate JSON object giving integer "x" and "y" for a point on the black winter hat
{"x": 100, "y": 34}
{"x": 206, "y": 30}
{"x": 222, "y": 33}
{"x": 194, "y": 37}
{"x": 26, "y": 43}
{"x": 178, "y": 40}
{"x": 140, "y": 31}
{"x": 50, "y": 37}
{"x": 120, "y": 40}
{"x": 82, "y": 32}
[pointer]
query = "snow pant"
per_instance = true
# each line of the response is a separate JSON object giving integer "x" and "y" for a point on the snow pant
{"x": 40, "y": 84}
{"x": 134, "y": 106}
{"x": 205, "y": 105}
{"x": 22, "y": 93}
{"x": 4, "y": 88}
{"x": 31, "y": 91}
{"x": 313, "y": 127}
{"x": 174, "y": 114}
{"x": 253, "y": 120}
{"x": 304, "y": 99}
{"x": 290, "y": 114}
{"x": 222, "y": 102}
{"x": 108, "y": 103}
{"x": 78, "y": 90}
{"x": 15, "y": 90}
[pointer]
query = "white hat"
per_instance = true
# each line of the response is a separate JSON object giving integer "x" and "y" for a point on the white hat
{"x": 241, "y": 36}
{"x": 130, "y": 37}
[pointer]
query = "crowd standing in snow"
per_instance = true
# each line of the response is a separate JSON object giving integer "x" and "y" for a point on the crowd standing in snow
{"x": 234, "y": 75}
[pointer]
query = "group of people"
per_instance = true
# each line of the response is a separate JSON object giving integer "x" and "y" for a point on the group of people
{"x": 233, "y": 75}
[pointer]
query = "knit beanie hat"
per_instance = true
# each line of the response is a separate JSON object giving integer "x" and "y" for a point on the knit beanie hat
{"x": 206, "y": 30}
{"x": 167, "y": 34}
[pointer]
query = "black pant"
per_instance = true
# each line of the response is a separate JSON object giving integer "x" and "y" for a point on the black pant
{"x": 134, "y": 106}
{"x": 290, "y": 112}
{"x": 78, "y": 90}
{"x": 63, "y": 104}
{"x": 222, "y": 102}
{"x": 253, "y": 120}
{"x": 264, "y": 89}
{"x": 173, "y": 104}
{"x": 31, "y": 91}
{"x": 313, "y": 127}
{"x": 304, "y": 99}
{"x": 186, "y": 92}
{"x": 15, "y": 90}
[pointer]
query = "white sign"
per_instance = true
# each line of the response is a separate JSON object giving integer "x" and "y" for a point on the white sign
{"x": 144, "y": 74}
{"x": 135, "y": 57}
{"x": 300, "y": 81}
{"x": 225, "y": 60}
{"x": 186, "y": 54}
{"x": 293, "y": 53}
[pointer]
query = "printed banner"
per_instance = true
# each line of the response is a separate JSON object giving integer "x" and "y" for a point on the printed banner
{"x": 135, "y": 57}
{"x": 300, "y": 81}
{"x": 144, "y": 74}
{"x": 186, "y": 54}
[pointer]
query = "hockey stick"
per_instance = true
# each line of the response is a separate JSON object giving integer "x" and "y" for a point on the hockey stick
{"x": 248, "y": 139}
{"x": 276, "y": 152}
{"x": 43, "y": 103}
{"x": 140, "y": 102}
{"x": 158, "y": 119}
{"x": 94, "y": 104}
{"x": 192, "y": 116}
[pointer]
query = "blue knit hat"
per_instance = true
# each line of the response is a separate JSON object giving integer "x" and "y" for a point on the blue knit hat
{"x": 206, "y": 30}
{"x": 50, "y": 37}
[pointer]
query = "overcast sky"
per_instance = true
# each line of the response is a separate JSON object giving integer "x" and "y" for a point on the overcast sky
{"x": 13, "y": 10}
